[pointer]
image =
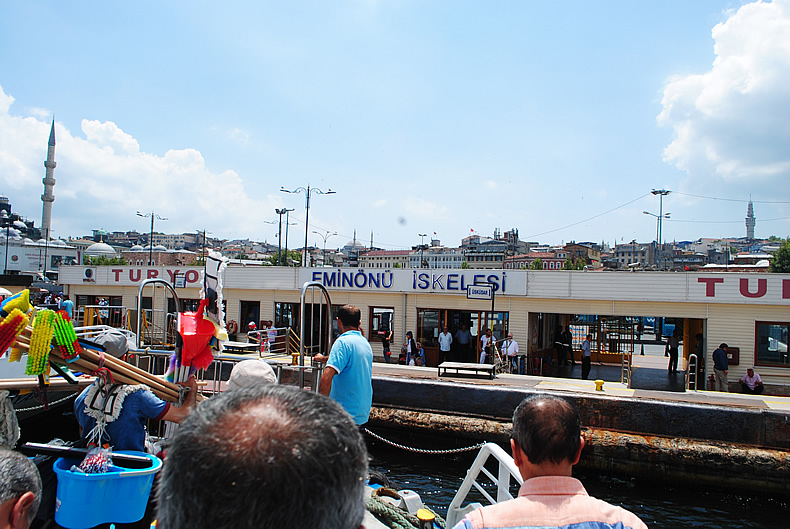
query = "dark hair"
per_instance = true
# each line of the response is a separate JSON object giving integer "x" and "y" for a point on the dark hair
{"x": 547, "y": 429}
{"x": 19, "y": 475}
{"x": 723, "y": 346}
{"x": 349, "y": 315}
{"x": 266, "y": 456}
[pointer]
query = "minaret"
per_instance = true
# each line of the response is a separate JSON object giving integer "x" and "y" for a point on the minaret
{"x": 750, "y": 220}
{"x": 49, "y": 183}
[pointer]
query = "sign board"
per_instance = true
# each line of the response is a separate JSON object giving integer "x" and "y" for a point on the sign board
{"x": 479, "y": 292}
{"x": 180, "y": 280}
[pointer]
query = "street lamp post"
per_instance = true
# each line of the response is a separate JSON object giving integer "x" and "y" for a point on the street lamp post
{"x": 325, "y": 237}
{"x": 281, "y": 212}
{"x": 307, "y": 191}
{"x": 6, "y": 220}
{"x": 151, "y": 237}
{"x": 661, "y": 194}
{"x": 422, "y": 246}
{"x": 658, "y": 232}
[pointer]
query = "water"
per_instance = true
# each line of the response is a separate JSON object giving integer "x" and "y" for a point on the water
{"x": 436, "y": 478}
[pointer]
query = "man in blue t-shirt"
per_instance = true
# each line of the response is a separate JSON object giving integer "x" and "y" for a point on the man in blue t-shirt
{"x": 348, "y": 376}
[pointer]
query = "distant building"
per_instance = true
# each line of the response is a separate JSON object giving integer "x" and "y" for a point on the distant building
{"x": 550, "y": 260}
{"x": 634, "y": 253}
{"x": 587, "y": 252}
{"x": 436, "y": 256}
{"x": 484, "y": 252}
{"x": 386, "y": 259}
{"x": 751, "y": 221}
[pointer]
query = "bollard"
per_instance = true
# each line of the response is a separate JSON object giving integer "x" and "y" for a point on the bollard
{"x": 425, "y": 518}
{"x": 294, "y": 359}
{"x": 599, "y": 385}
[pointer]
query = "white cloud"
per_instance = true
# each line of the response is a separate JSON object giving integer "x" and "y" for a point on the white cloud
{"x": 732, "y": 123}
{"x": 240, "y": 136}
{"x": 105, "y": 177}
{"x": 380, "y": 203}
{"x": 491, "y": 184}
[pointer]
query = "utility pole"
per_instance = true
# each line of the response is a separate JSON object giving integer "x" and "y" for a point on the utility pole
{"x": 662, "y": 193}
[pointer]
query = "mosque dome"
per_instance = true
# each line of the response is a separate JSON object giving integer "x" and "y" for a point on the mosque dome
{"x": 160, "y": 248}
{"x": 137, "y": 248}
{"x": 100, "y": 249}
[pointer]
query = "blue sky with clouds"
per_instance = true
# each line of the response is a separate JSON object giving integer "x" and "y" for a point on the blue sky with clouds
{"x": 553, "y": 118}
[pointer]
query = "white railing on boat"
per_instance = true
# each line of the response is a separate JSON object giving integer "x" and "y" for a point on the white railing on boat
{"x": 507, "y": 469}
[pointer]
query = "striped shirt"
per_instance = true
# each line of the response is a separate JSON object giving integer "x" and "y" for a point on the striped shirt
{"x": 549, "y": 502}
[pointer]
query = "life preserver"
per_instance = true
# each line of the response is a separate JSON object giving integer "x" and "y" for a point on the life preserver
{"x": 232, "y": 327}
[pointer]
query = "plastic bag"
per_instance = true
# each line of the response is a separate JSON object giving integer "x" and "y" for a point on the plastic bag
{"x": 97, "y": 461}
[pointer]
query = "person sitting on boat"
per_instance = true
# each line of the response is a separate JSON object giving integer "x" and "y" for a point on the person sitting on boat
{"x": 116, "y": 413}
{"x": 546, "y": 443}
{"x": 267, "y": 456}
{"x": 20, "y": 490}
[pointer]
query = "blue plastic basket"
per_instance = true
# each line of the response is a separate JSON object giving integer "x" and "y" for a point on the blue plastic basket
{"x": 118, "y": 496}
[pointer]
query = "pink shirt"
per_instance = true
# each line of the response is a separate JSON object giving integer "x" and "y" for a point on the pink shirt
{"x": 550, "y": 501}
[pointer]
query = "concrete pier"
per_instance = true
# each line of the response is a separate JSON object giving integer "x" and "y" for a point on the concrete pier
{"x": 720, "y": 440}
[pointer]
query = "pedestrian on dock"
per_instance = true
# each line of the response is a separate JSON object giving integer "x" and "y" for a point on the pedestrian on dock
{"x": 546, "y": 444}
{"x": 411, "y": 346}
{"x": 464, "y": 338}
{"x": 720, "y": 367}
{"x": 445, "y": 344}
{"x": 673, "y": 346}
{"x": 386, "y": 340}
{"x": 348, "y": 375}
{"x": 20, "y": 490}
{"x": 269, "y": 456}
{"x": 586, "y": 357}
{"x": 751, "y": 382}
{"x": 567, "y": 341}
{"x": 510, "y": 350}
{"x": 487, "y": 342}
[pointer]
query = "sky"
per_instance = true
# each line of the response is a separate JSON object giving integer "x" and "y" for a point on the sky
{"x": 449, "y": 117}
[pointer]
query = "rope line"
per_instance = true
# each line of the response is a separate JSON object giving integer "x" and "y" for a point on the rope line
{"x": 40, "y": 406}
{"x": 423, "y": 450}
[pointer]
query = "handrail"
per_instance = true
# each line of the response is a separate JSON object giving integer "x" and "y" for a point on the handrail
{"x": 507, "y": 469}
{"x": 310, "y": 285}
{"x": 145, "y": 283}
{"x": 691, "y": 372}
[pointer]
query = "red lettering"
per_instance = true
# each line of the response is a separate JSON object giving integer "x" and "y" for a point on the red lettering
{"x": 710, "y": 285}
{"x": 172, "y": 275}
{"x": 132, "y": 278}
{"x": 153, "y": 273}
{"x": 785, "y": 288}
{"x": 762, "y": 288}
{"x": 192, "y": 276}
{"x": 117, "y": 272}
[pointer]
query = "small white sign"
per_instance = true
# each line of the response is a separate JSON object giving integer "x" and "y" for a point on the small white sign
{"x": 180, "y": 280}
{"x": 479, "y": 292}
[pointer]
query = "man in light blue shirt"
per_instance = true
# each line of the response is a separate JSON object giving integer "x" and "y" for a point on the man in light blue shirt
{"x": 348, "y": 376}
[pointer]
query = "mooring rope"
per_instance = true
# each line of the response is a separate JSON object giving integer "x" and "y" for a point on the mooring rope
{"x": 395, "y": 517}
{"x": 423, "y": 450}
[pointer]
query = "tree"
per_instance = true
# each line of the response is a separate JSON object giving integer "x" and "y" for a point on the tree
{"x": 568, "y": 264}
{"x": 465, "y": 266}
{"x": 396, "y": 265}
{"x": 781, "y": 261}
{"x": 537, "y": 264}
{"x": 579, "y": 263}
{"x": 103, "y": 261}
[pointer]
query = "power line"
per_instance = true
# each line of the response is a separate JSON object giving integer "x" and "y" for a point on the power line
{"x": 734, "y": 199}
{"x": 588, "y": 219}
{"x": 723, "y": 221}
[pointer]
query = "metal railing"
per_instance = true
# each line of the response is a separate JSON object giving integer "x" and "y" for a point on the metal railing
{"x": 324, "y": 332}
{"x": 691, "y": 373}
{"x": 145, "y": 283}
{"x": 507, "y": 469}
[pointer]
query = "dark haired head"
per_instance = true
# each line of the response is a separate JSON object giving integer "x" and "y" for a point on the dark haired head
{"x": 723, "y": 346}
{"x": 547, "y": 429}
{"x": 349, "y": 316}
{"x": 266, "y": 456}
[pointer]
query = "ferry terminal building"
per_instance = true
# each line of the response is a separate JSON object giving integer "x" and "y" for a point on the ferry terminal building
{"x": 748, "y": 311}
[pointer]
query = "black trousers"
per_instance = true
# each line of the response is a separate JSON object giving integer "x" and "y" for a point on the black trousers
{"x": 586, "y": 366}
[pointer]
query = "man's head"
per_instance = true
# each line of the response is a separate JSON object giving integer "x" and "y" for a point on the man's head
{"x": 750, "y": 371}
{"x": 547, "y": 431}
{"x": 349, "y": 316}
{"x": 723, "y": 346}
{"x": 251, "y": 373}
{"x": 20, "y": 490}
{"x": 445, "y": 328}
{"x": 510, "y": 336}
{"x": 268, "y": 456}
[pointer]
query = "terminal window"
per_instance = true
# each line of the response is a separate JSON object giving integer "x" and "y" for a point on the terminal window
{"x": 771, "y": 344}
